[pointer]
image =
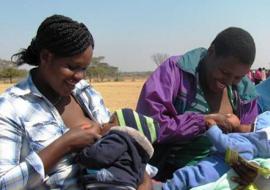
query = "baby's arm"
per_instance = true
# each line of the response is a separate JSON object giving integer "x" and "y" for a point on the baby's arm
{"x": 235, "y": 141}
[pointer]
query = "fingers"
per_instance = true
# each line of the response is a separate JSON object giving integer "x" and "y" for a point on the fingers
{"x": 240, "y": 181}
{"x": 246, "y": 173}
{"x": 228, "y": 115}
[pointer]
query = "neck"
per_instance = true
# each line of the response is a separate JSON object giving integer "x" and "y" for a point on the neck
{"x": 44, "y": 87}
{"x": 203, "y": 75}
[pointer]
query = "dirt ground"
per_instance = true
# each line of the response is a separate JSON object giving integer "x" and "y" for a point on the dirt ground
{"x": 120, "y": 94}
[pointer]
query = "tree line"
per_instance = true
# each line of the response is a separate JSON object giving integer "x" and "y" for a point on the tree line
{"x": 97, "y": 71}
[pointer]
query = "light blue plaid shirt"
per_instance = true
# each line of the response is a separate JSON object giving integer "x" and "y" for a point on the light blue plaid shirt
{"x": 28, "y": 123}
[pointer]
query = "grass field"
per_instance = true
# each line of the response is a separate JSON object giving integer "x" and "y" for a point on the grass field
{"x": 116, "y": 94}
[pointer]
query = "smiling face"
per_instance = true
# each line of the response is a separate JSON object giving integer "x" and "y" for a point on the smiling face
{"x": 58, "y": 75}
{"x": 224, "y": 71}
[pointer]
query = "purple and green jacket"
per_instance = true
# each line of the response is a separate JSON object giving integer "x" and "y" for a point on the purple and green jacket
{"x": 162, "y": 98}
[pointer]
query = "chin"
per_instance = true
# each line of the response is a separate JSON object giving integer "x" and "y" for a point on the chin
{"x": 216, "y": 88}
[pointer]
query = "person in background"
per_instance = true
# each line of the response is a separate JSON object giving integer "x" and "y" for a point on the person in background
{"x": 263, "y": 74}
{"x": 186, "y": 90}
{"x": 41, "y": 116}
{"x": 258, "y": 76}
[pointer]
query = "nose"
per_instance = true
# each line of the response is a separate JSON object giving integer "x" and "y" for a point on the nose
{"x": 229, "y": 80}
{"x": 79, "y": 74}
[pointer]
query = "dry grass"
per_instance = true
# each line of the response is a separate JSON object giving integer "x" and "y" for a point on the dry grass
{"x": 120, "y": 94}
{"x": 4, "y": 86}
{"x": 116, "y": 94}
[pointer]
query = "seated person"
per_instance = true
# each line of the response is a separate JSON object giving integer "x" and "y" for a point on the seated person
{"x": 118, "y": 159}
{"x": 248, "y": 145}
{"x": 264, "y": 96}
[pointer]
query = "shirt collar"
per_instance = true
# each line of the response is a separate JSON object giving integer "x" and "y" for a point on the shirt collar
{"x": 26, "y": 87}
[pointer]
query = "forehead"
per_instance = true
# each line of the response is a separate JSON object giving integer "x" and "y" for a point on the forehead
{"x": 81, "y": 59}
{"x": 232, "y": 65}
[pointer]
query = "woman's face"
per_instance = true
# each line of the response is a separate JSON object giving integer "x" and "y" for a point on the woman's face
{"x": 224, "y": 71}
{"x": 62, "y": 73}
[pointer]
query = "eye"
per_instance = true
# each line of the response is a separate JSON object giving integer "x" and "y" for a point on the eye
{"x": 225, "y": 72}
{"x": 72, "y": 68}
{"x": 76, "y": 68}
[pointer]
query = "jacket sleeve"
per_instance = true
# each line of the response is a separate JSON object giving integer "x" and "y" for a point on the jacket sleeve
{"x": 249, "y": 111}
{"x": 157, "y": 101}
{"x": 104, "y": 152}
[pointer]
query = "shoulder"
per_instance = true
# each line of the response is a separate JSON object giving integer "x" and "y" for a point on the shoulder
{"x": 169, "y": 64}
{"x": 84, "y": 87}
{"x": 92, "y": 101}
{"x": 246, "y": 89}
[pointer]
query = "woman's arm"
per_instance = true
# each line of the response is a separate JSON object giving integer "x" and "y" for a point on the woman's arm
{"x": 157, "y": 100}
{"x": 74, "y": 140}
{"x": 18, "y": 171}
{"x": 14, "y": 172}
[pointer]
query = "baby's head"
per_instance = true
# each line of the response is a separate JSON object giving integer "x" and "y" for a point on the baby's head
{"x": 143, "y": 129}
{"x": 145, "y": 125}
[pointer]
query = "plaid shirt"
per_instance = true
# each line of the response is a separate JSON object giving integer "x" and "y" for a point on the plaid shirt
{"x": 28, "y": 123}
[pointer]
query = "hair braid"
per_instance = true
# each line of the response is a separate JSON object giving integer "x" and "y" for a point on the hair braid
{"x": 60, "y": 35}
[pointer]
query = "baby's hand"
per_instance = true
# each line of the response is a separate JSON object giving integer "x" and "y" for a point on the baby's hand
{"x": 209, "y": 122}
{"x": 226, "y": 122}
{"x": 234, "y": 121}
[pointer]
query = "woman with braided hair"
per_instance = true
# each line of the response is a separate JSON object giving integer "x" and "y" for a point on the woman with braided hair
{"x": 41, "y": 116}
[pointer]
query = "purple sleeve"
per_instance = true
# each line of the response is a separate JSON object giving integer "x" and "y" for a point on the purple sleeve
{"x": 156, "y": 100}
{"x": 248, "y": 112}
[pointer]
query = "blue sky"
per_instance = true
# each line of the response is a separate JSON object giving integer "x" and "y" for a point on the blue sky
{"x": 129, "y": 32}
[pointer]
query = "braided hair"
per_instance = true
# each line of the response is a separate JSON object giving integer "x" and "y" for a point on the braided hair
{"x": 60, "y": 35}
{"x": 235, "y": 42}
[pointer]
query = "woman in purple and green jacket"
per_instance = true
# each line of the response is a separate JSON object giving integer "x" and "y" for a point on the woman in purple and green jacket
{"x": 202, "y": 83}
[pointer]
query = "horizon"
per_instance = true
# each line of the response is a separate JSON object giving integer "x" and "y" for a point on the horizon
{"x": 128, "y": 33}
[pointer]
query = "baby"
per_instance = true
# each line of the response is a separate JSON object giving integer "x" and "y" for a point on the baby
{"x": 118, "y": 159}
{"x": 248, "y": 145}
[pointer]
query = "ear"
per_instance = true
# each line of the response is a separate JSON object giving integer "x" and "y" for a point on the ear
{"x": 45, "y": 57}
{"x": 211, "y": 50}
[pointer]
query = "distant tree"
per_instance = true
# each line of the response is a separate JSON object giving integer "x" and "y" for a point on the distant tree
{"x": 159, "y": 58}
{"x": 100, "y": 70}
{"x": 11, "y": 73}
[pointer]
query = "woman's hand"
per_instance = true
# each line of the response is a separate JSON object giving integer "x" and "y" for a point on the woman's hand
{"x": 247, "y": 172}
{"x": 227, "y": 122}
{"x": 78, "y": 138}
{"x": 73, "y": 140}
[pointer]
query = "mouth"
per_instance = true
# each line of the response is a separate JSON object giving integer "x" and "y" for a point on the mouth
{"x": 71, "y": 83}
{"x": 221, "y": 85}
